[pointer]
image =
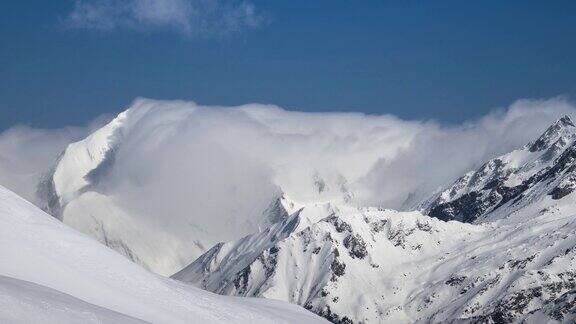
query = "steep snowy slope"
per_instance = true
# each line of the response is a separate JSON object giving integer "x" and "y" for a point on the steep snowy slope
{"x": 25, "y": 302}
{"x": 51, "y": 272}
{"x": 352, "y": 264}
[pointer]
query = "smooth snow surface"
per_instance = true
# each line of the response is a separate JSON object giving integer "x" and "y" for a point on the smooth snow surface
{"x": 25, "y": 302}
{"x": 52, "y": 272}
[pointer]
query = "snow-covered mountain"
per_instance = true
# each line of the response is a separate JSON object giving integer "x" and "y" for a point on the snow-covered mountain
{"x": 495, "y": 246}
{"x": 514, "y": 180}
{"x": 83, "y": 192}
{"x": 49, "y": 273}
{"x": 164, "y": 181}
{"x": 499, "y": 248}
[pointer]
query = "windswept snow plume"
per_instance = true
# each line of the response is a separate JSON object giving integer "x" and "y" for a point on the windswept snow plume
{"x": 27, "y": 154}
{"x": 166, "y": 180}
{"x": 513, "y": 263}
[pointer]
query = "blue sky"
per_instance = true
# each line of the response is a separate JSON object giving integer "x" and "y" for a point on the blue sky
{"x": 444, "y": 60}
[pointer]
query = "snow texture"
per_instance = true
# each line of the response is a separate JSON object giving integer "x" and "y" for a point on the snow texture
{"x": 52, "y": 274}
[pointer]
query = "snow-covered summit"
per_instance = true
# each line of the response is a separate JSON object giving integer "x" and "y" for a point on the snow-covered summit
{"x": 85, "y": 191}
{"x": 562, "y": 128}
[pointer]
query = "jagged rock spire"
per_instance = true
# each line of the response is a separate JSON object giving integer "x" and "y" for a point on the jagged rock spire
{"x": 553, "y": 133}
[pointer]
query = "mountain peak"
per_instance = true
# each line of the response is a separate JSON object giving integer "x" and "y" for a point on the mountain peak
{"x": 557, "y": 130}
{"x": 565, "y": 121}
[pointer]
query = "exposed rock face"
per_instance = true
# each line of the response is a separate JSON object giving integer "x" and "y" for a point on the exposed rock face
{"x": 499, "y": 248}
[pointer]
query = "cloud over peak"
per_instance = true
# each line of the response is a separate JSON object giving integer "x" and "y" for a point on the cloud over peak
{"x": 180, "y": 158}
{"x": 192, "y": 18}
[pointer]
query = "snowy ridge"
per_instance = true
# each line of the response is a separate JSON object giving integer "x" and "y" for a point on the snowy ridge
{"x": 368, "y": 265}
{"x": 25, "y": 302}
{"x": 53, "y": 274}
{"x": 508, "y": 182}
{"x": 75, "y": 194}
{"x": 332, "y": 259}
{"x": 71, "y": 175}
{"x": 516, "y": 261}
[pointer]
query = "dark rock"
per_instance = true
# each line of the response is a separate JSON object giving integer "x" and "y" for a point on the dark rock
{"x": 356, "y": 246}
{"x": 338, "y": 224}
{"x": 338, "y": 267}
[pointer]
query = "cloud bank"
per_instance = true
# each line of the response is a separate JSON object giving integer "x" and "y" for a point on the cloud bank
{"x": 182, "y": 176}
{"x": 28, "y": 154}
{"x": 193, "y": 18}
{"x": 441, "y": 154}
{"x": 380, "y": 160}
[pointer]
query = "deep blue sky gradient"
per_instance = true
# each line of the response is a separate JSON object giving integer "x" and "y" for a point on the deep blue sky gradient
{"x": 444, "y": 60}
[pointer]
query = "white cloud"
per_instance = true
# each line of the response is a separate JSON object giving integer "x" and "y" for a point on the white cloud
{"x": 182, "y": 172}
{"x": 194, "y": 18}
{"x": 382, "y": 160}
{"x": 440, "y": 154}
{"x": 218, "y": 159}
{"x": 27, "y": 154}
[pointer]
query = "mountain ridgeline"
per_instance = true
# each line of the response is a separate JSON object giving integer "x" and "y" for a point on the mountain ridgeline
{"x": 514, "y": 179}
{"x": 497, "y": 247}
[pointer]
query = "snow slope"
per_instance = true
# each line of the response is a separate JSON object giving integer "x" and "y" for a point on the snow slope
{"x": 515, "y": 262}
{"x": 52, "y": 274}
{"x": 25, "y": 302}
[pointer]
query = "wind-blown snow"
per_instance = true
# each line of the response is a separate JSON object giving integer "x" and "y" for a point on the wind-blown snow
{"x": 45, "y": 264}
{"x": 166, "y": 180}
{"x": 290, "y": 192}
{"x": 516, "y": 262}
